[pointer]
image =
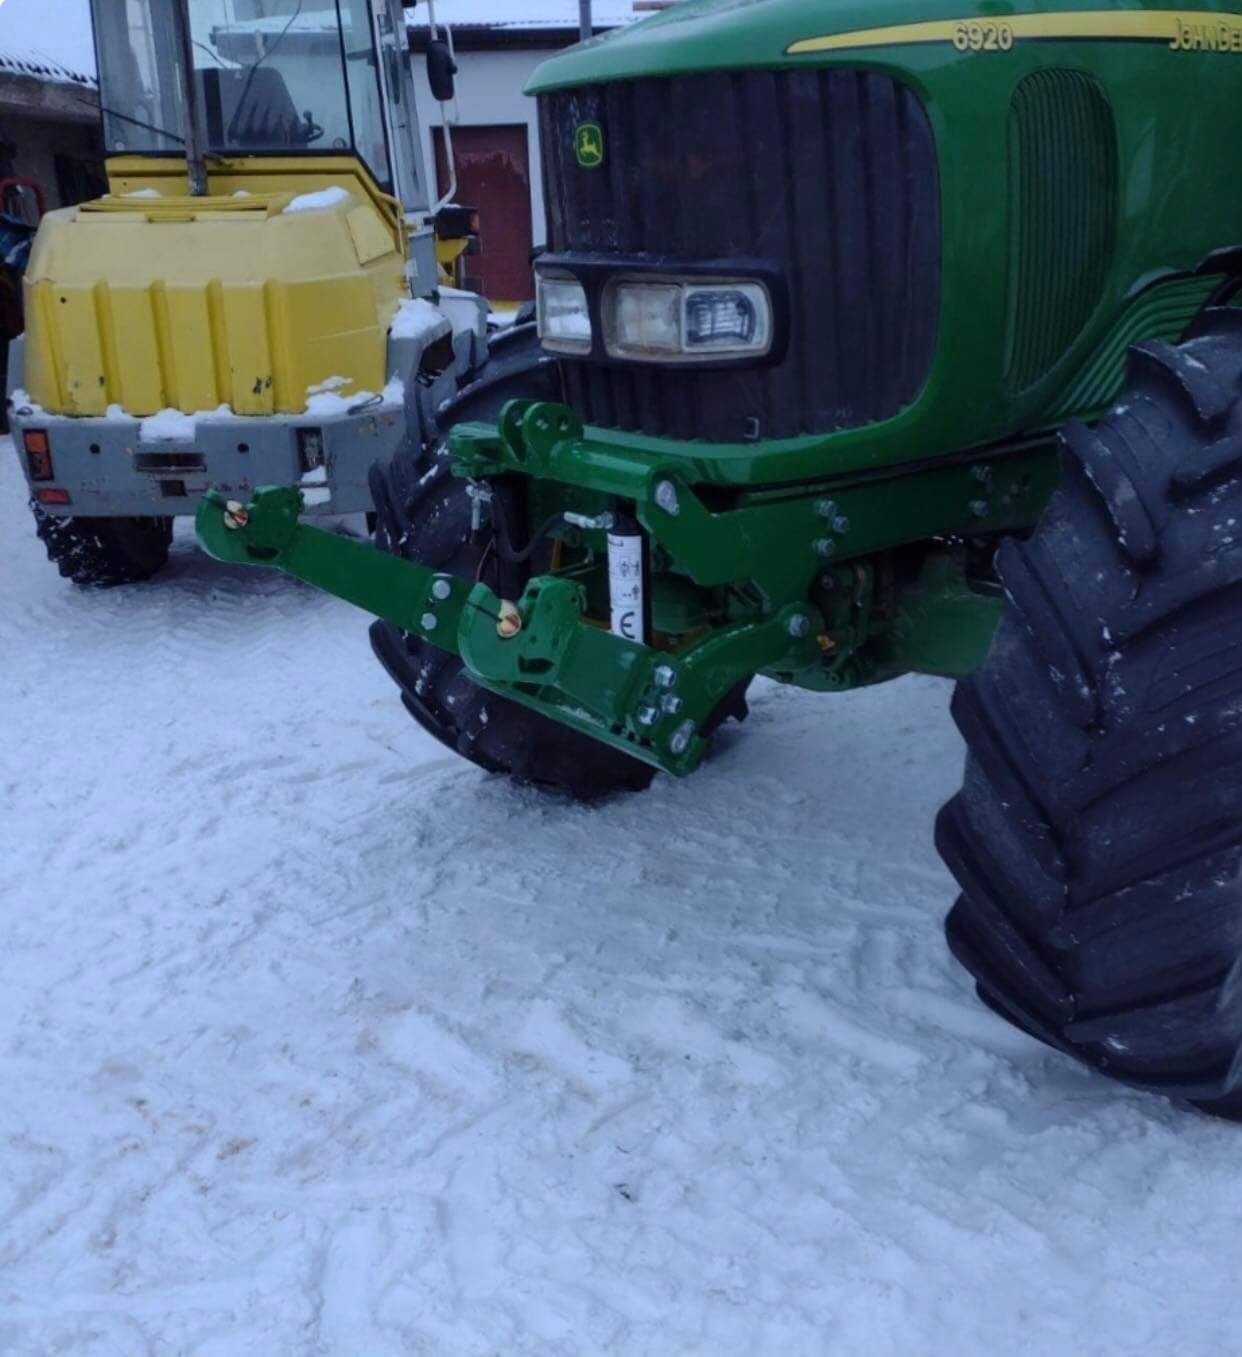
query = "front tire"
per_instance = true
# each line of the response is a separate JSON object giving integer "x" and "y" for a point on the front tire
{"x": 424, "y": 513}
{"x": 101, "y": 553}
{"x": 1097, "y": 838}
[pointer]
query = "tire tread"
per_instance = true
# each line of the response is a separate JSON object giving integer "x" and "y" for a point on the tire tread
{"x": 1104, "y": 744}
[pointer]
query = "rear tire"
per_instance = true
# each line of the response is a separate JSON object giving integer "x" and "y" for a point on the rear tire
{"x": 1097, "y": 838}
{"x": 423, "y": 513}
{"x": 103, "y": 552}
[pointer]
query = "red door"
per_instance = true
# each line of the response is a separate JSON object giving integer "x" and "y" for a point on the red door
{"x": 493, "y": 176}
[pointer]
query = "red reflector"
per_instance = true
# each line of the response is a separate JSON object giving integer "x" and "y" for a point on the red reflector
{"x": 52, "y": 496}
{"x": 36, "y": 440}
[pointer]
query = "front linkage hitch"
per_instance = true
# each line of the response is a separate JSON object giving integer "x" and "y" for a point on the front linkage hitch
{"x": 799, "y": 566}
{"x": 540, "y": 650}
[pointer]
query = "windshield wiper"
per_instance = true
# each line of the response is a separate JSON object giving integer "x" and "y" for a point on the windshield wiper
{"x": 146, "y": 127}
{"x": 136, "y": 122}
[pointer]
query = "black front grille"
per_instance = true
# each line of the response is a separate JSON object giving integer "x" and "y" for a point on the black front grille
{"x": 829, "y": 174}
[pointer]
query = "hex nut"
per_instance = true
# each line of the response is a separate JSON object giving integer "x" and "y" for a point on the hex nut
{"x": 666, "y": 498}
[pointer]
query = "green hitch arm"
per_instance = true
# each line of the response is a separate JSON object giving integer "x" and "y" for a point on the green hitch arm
{"x": 266, "y": 532}
{"x": 541, "y": 651}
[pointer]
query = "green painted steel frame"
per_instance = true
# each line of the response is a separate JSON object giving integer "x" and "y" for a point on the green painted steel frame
{"x": 774, "y": 539}
{"x": 769, "y": 550}
{"x": 652, "y": 705}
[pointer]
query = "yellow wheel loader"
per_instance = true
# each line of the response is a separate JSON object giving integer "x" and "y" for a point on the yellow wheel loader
{"x": 257, "y": 300}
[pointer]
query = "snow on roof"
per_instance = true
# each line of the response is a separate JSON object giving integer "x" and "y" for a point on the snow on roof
{"x": 524, "y": 14}
{"x": 308, "y": 21}
{"x": 47, "y": 40}
{"x": 40, "y": 68}
{"x": 51, "y": 39}
{"x": 474, "y": 14}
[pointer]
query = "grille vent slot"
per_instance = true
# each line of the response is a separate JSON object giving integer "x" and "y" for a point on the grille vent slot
{"x": 1062, "y": 217}
{"x": 830, "y": 175}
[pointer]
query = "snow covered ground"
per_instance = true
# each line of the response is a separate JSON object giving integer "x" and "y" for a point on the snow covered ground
{"x": 314, "y": 1040}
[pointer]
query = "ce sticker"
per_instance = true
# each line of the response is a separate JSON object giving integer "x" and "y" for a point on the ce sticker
{"x": 627, "y": 626}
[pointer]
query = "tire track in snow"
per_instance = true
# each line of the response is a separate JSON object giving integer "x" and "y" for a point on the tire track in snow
{"x": 315, "y": 1042}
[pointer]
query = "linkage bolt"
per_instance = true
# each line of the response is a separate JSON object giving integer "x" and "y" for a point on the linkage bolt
{"x": 666, "y": 498}
{"x": 681, "y": 737}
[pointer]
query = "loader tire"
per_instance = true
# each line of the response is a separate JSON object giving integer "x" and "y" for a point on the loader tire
{"x": 100, "y": 553}
{"x": 1097, "y": 837}
{"x": 423, "y": 513}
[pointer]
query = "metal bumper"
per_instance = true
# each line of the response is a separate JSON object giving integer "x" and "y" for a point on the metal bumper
{"x": 107, "y": 469}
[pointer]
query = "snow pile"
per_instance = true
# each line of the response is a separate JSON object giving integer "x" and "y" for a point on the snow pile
{"x": 22, "y": 399}
{"x": 318, "y": 202}
{"x": 320, "y": 1042}
{"x": 169, "y": 426}
{"x": 326, "y": 399}
{"x": 418, "y": 319}
{"x": 314, "y": 487}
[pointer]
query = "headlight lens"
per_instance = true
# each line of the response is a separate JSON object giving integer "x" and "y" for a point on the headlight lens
{"x": 684, "y": 321}
{"x": 643, "y": 318}
{"x": 564, "y": 320}
{"x": 727, "y": 319}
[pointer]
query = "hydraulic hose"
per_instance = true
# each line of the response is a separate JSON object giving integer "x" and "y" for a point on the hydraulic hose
{"x": 504, "y": 538}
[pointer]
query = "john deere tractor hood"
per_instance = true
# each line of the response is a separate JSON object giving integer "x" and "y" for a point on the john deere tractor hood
{"x": 718, "y": 35}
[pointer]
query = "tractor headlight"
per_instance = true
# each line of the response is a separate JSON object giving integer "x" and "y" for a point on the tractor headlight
{"x": 564, "y": 320}
{"x": 642, "y": 320}
{"x": 684, "y": 321}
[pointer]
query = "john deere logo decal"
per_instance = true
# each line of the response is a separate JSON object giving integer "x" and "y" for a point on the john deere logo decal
{"x": 589, "y": 145}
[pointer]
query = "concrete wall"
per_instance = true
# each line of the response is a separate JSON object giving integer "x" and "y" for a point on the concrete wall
{"x": 38, "y": 143}
{"x": 39, "y": 121}
{"x": 489, "y": 90}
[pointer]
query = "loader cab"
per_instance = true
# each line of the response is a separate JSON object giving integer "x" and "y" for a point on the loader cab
{"x": 275, "y": 78}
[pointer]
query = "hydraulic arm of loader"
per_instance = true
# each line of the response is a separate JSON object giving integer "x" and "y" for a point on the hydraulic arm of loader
{"x": 540, "y": 651}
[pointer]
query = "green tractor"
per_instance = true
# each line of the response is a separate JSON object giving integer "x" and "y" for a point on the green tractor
{"x": 874, "y": 339}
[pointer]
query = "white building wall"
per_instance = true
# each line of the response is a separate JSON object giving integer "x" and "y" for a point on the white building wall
{"x": 489, "y": 91}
